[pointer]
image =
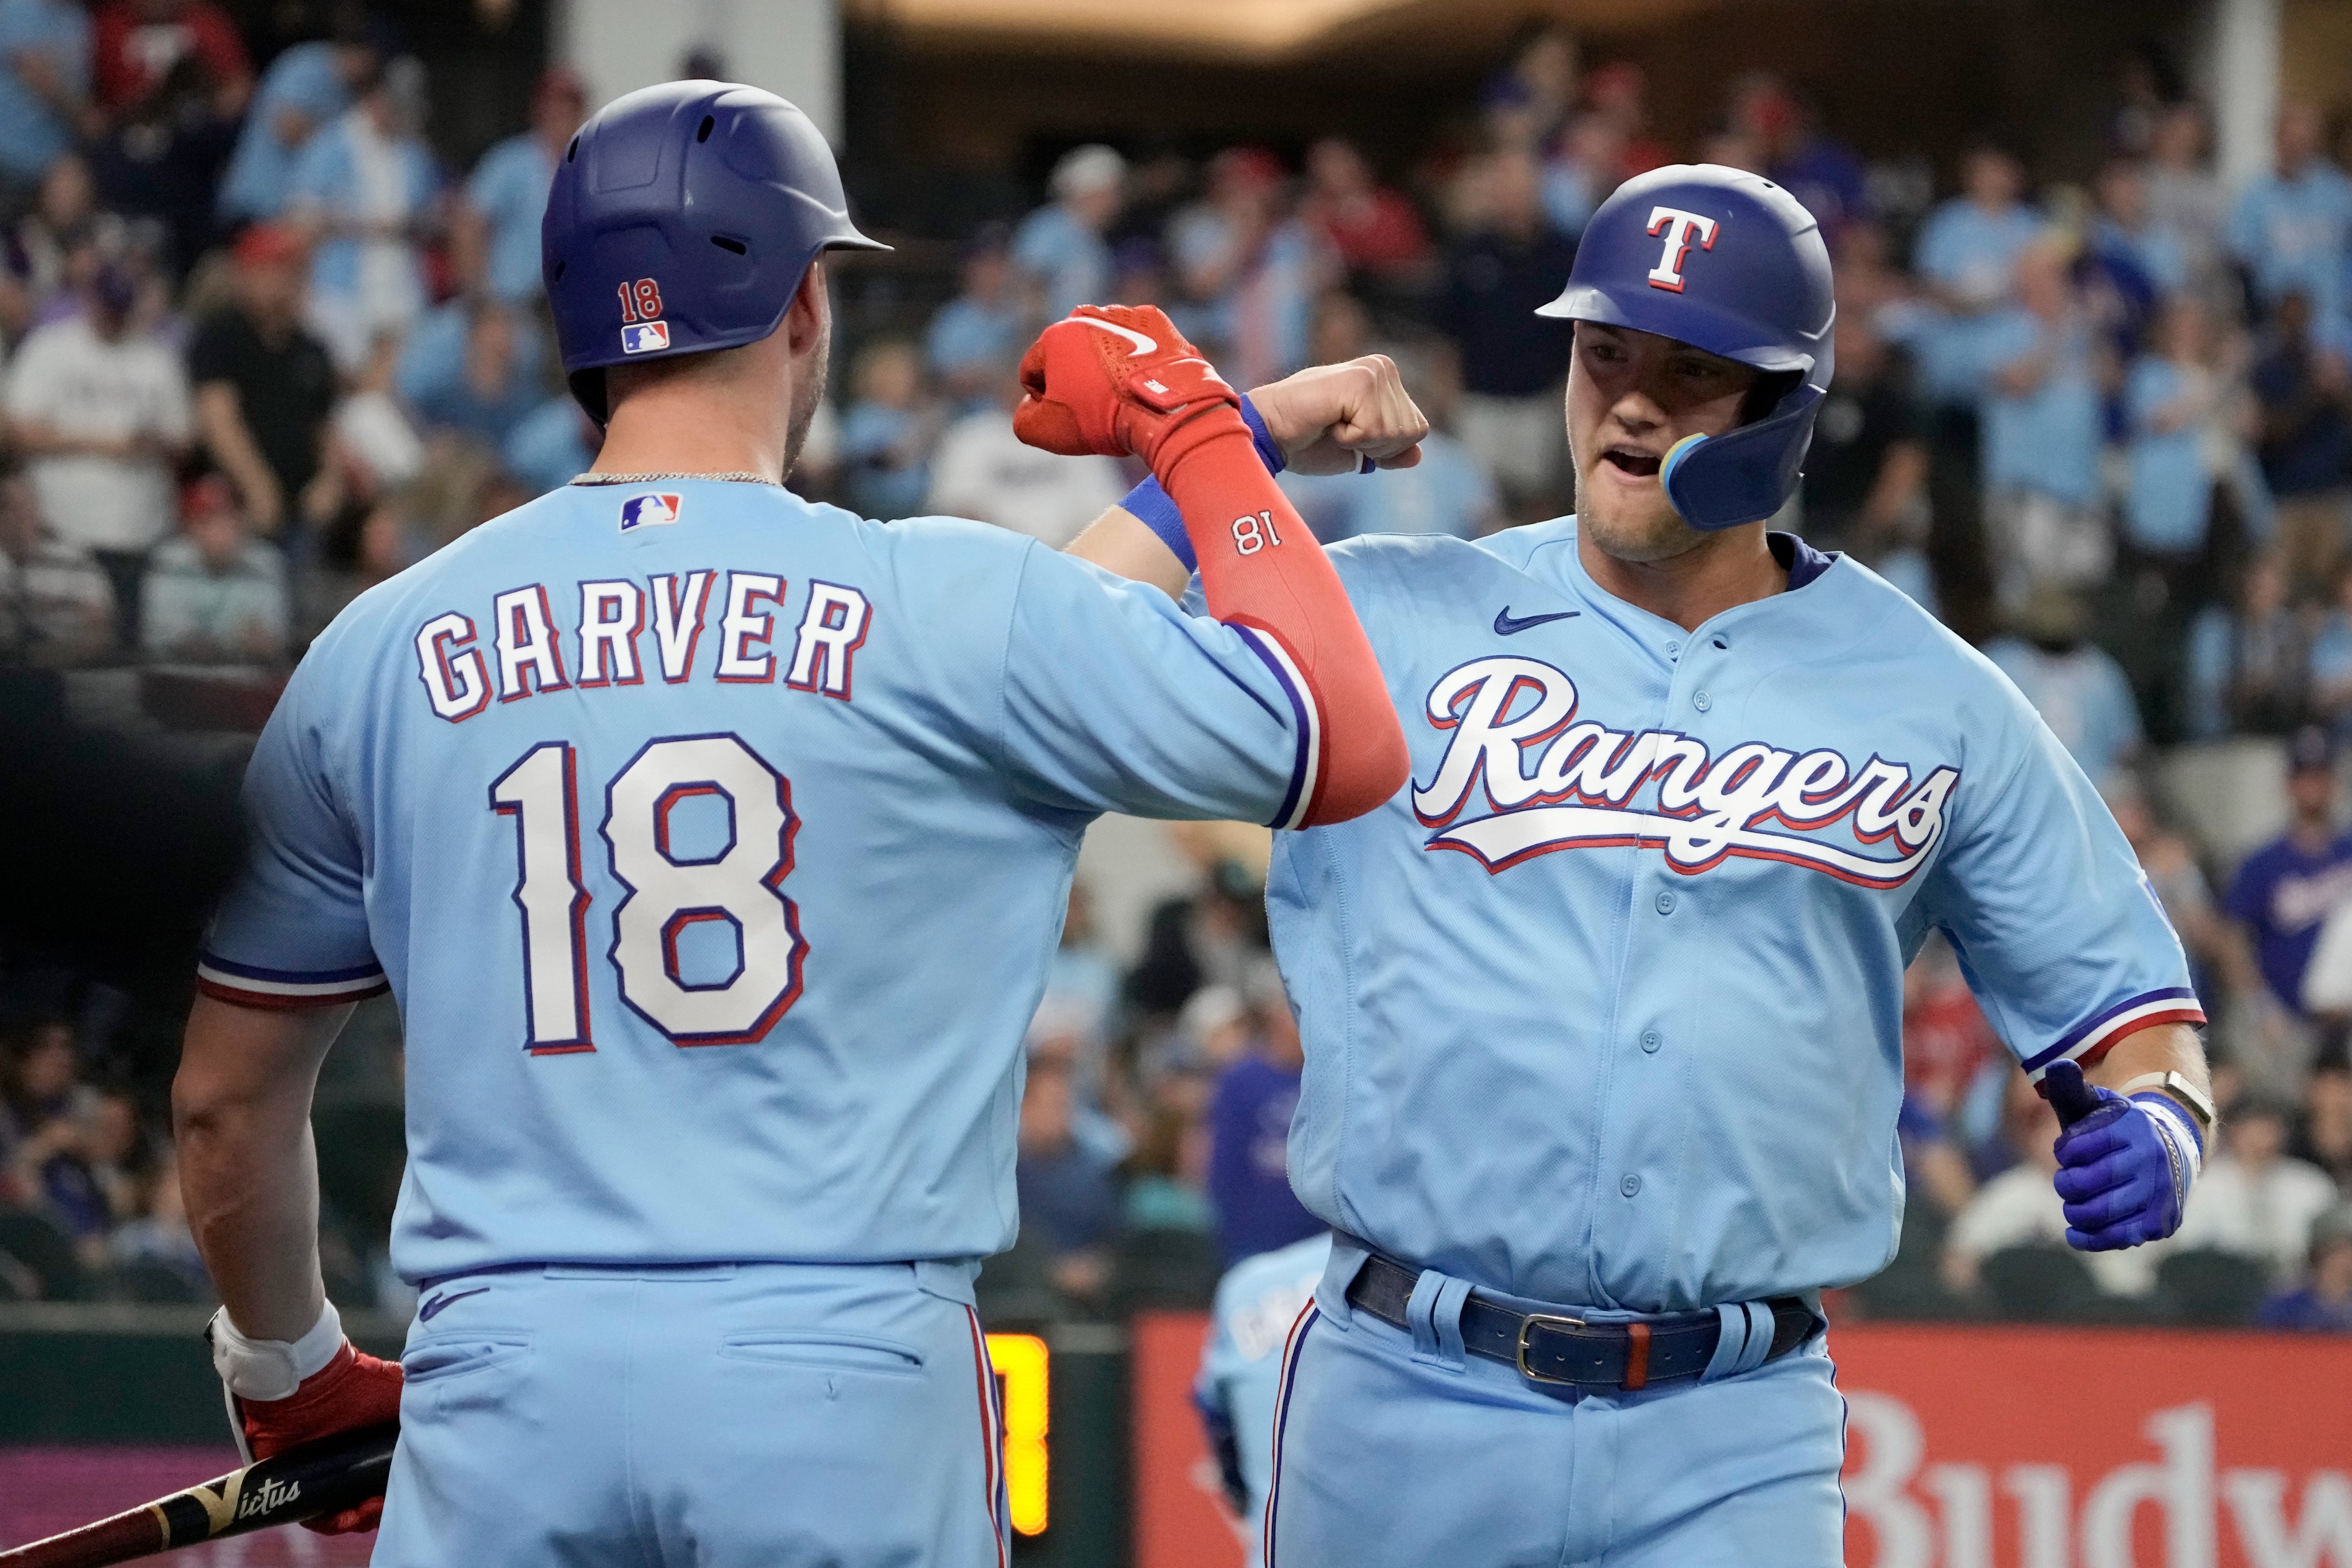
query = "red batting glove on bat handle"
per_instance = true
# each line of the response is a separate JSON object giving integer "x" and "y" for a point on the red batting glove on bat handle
{"x": 282, "y": 1393}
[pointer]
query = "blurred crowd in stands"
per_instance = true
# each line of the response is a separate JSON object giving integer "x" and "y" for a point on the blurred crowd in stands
{"x": 262, "y": 350}
{"x": 266, "y": 361}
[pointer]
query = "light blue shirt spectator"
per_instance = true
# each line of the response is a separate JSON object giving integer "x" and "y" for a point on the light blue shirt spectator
{"x": 883, "y": 479}
{"x": 32, "y": 130}
{"x": 1972, "y": 253}
{"x": 2331, "y": 656}
{"x": 547, "y": 448}
{"x": 1571, "y": 193}
{"x": 2250, "y": 666}
{"x": 431, "y": 377}
{"x": 2046, "y": 440}
{"x": 2295, "y": 234}
{"x": 2081, "y": 694}
{"x": 2208, "y": 673}
{"x": 2169, "y": 498}
{"x": 1271, "y": 309}
{"x": 305, "y": 83}
{"x": 969, "y": 335}
{"x": 508, "y": 188}
{"x": 326, "y": 171}
{"x": 1066, "y": 260}
{"x": 1449, "y": 491}
{"x": 2158, "y": 252}
{"x": 355, "y": 174}
{"x": 205, "y": 609}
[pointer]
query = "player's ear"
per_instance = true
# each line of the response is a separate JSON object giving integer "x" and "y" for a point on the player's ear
{"x": 809, "y": 316}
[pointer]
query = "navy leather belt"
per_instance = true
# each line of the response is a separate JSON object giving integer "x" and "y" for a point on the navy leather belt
{"x": 1554, "y": 1348}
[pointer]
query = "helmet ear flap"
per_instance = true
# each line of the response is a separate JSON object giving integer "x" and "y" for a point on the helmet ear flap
{"x": 1765, "y": 396}
{"x": 588, "y": 390}
{"x": 1744, "y": 475}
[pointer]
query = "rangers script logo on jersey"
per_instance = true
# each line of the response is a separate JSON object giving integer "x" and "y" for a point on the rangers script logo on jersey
{"x": 1507, "y": 712}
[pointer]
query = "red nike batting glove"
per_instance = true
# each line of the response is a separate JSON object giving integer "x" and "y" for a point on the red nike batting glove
{"x": 282, "y": 1393}
{"x": 1115, "y": 380}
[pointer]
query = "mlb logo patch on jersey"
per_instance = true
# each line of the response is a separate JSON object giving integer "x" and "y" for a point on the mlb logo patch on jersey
{"x": 647, "y": 511}
{"x": 645, "y": 337}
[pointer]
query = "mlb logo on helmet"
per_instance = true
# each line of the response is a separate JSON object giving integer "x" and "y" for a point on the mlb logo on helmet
{"x": 645, "y": 337}
{"x": 647, "y": 511}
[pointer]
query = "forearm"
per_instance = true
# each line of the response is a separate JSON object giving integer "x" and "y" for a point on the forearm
{"x": 221, "y": 425}
{"x": 249, "y": 1177}
{"x": 1122, "y": 379}
{"x": 249, "y": 1171}
{"x": 1900, "y": 480}
{"x": 38, "y": 438}
{"x": 1325, "y": 419}
{"x": 1261, "y": 568}
{"x": 469, "y": 243}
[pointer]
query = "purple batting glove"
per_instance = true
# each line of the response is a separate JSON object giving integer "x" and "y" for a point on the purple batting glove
{"x": 2124, "y": 1167}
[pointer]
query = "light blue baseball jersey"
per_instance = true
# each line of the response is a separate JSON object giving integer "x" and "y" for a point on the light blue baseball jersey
{"x": 1605, "y": 1008}
{"x": 1240, "y": 1383}
{"x": 714, "y": 845}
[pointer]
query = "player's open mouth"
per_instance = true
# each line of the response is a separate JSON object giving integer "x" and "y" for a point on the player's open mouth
{"x": 1632, "y": 461}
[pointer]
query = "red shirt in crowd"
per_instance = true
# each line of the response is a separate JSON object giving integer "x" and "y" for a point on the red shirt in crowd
{"x": 135, "y": 44}
{"x": 1945, "y": 1040}
{"x": 1376, "y": 232}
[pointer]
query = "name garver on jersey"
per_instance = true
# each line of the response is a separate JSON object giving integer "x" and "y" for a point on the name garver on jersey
{"x": 528, "y": 645}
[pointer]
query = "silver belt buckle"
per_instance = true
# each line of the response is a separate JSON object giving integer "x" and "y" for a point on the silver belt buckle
{"x": 1526, "y": 1326}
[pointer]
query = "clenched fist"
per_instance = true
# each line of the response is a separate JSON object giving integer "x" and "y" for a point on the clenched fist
{"x": 1115, "y": 380}
{"x": 1333, "y": 419}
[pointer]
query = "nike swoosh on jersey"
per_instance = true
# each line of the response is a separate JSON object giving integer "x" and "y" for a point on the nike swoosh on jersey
{"x": 1509, "y": 625}
{"x": 1144, "y": 345}
{"x": 426, "y": 1313}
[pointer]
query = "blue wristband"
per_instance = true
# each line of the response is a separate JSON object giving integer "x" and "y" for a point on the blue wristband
{"x": 1268, "y": 453}
{"x": 1155, "y": 509}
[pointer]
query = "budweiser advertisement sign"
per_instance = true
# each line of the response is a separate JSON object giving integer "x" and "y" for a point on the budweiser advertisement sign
{"x": 1969, "y": 1448}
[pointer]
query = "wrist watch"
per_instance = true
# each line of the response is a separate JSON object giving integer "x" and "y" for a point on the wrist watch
{"x": 2177, "y": 1085}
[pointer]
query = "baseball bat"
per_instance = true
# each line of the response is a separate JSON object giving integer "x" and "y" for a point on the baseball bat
{"x": 312, "y": 1479}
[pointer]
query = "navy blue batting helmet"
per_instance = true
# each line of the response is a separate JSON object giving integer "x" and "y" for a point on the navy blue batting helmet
{"x": 681, "y": 220}
{"x": 1725, "y": 261}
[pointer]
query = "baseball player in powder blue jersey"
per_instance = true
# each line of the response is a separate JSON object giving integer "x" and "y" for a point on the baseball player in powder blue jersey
{"x": 1602, "y": 1013}
{"x": 1241, "y": 1370}
{"x": 714, "y": 845}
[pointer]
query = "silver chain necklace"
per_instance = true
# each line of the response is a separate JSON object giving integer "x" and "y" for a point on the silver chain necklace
{"x": 738, "y": 478}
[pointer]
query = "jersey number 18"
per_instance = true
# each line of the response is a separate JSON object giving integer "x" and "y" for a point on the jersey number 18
{"x": 666, "y": 892}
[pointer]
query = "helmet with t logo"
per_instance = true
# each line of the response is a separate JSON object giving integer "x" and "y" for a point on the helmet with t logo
{"x": 1729, "y": 262}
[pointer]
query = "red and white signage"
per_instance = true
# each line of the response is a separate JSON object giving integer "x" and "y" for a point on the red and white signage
{"x": 1968, "y": 1447}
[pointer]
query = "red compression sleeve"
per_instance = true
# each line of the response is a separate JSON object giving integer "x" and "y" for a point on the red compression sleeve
{"x": 1263, "y": 570}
